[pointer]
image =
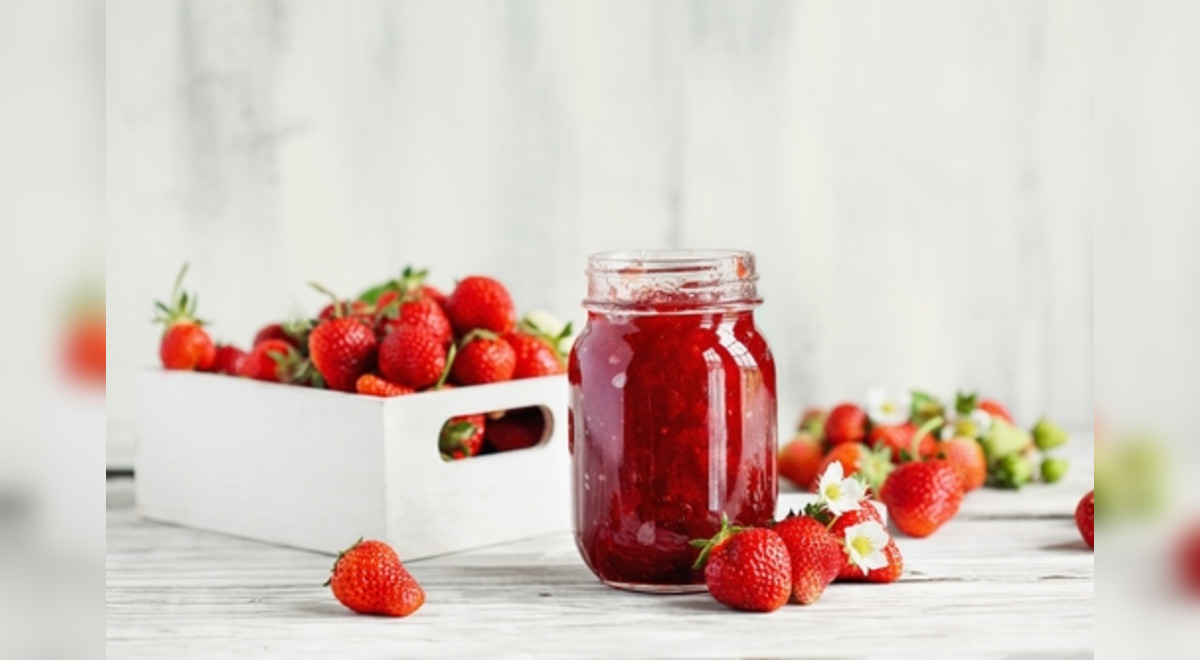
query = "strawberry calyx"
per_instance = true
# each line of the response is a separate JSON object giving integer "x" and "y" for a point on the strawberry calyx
{"x": 336, "y": 561}
{"x": 297, "y": 369}
{"x": 182, "y": 306}
{"x": 453, "y": 440}
{"x": 708, "y": 545}
{"x": 965, "y": 403}
{"x": 341, "y": 306}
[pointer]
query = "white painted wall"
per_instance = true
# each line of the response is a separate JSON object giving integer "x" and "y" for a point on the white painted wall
{"x": 915, "y": 177}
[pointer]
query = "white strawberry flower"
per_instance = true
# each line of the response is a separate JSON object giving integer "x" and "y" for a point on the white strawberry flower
{"x": 888, "y": 408}
{"x": 838, "y": 492}
{"x": 865, "y": 543}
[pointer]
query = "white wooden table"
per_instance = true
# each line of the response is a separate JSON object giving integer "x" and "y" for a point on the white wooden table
{"x": 1008, "y": 576}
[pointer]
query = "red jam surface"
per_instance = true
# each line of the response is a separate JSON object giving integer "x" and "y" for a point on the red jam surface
{"x": 672, "y": 425}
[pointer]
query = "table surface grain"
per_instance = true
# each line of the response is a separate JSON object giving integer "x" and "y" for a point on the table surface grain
{"x": 1008, "y": 576}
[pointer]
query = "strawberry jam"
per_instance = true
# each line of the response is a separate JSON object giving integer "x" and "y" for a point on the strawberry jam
{"x": 673, "y": 420}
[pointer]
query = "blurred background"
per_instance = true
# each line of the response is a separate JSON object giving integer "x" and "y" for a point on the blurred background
{"x": 916, "y": 178}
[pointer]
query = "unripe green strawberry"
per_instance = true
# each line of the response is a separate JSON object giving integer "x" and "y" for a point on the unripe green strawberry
{"x": 1054, "y": 469}
{"x": 1047, "y": 435}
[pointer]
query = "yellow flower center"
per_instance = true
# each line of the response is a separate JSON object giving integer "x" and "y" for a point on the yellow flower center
{"x": 862, "y": 545}
{"x": 833, "y": 492}
{"x": 888, "y": 407}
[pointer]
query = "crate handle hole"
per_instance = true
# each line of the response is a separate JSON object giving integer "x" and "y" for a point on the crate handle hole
{"x": 479, "y": 435}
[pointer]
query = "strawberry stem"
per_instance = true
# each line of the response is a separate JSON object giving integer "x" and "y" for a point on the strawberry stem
{"x": 920, "y": 434}
{"x": 708, "y": 545}
{"x": 453, "y": 353}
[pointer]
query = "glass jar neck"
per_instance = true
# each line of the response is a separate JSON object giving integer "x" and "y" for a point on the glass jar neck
{"x": 672, "y": 282}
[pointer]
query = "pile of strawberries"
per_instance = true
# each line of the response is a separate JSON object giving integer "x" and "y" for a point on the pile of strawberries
{"x": 920, "y": 456}
{"x": 400, "y": 337}
{"x": 840, "y": 537}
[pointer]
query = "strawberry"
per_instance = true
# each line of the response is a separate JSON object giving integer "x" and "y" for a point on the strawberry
{"x": 411, "y": 355}
{"x": 481, "y": 302}
{"x": 229, "y": 360}
{"x": 267, "y": 361}
{"x": 373, "y": 385}
{"x": 746, "y": 569}
{"x": 294, "y": 333}
{"x": 872, "y": 466}
{"x": 342, "y": 349}
{"x": 517, "y": 429}
{"x": 890, "y": 573}
{"x": 922, "y": 496}
{"x": 846, "y": 423}
{"x": 84, "y": 350}
{"x": 358, "y": 309}
{"x": 968, "y": 459}
{"x": 1085, "y": 515}
{"x": 185, "y": 344}
{"x": 419, "y": 311}
{"x": 483, "y": 357}
{"x": 799, "y": 460}
{"x": 867, "y": 512}
{"x": 1187, "y": 559}
{"x": 898, "y": 440}
{"x": 462, "y": 437}
{"x": 995, "y": 409}
{"x": 816, "y": 556}
{"x": 534, "y": 356}
{"x": 813, "y": 422}
{"x": 369, "y": 578}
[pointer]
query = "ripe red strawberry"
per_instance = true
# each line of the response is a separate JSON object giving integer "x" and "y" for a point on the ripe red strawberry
{"x": 483, "y": 358}
{"x": 517, "y": 429}
{"x": 342, "y": 349}
{"x": 84, "y": 350}
{"x": 418, "y": 311}
{"x": 411, "y": 355}
{"x": 357, "y": 309}
{"x": 856, "y": 458}
{"x": 267, "y": 361}
{"x": 535, "y": 356}
{"x": 462, "y": 437}
{"x": 369, "y": 578}
{"x": 747, "y": 569}
{"x": 1187, "y": 559}
{"x": 816, "y": 556}
{"x": 890, "y": 573}
{"x": 481, "y": 302}
{"x": 899, "y": 439}
{"x": 373, "y": 385}
{"x": 922, "y": 496}
{"x": 1085, "y": 515}
{"x": 995, "y": 409}
{"x": 800, "y": 459}
{"x": 846, "y": 423}
{"x": 229, "y": 360}
{"x": 185, "y": 344}
{"x": 848, "y": 571}
{"x": 290, "y": 333}
{"x": 969, "y": 461}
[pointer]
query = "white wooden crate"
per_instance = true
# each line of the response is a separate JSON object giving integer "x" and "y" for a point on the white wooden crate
{"x": 316, "y": 469}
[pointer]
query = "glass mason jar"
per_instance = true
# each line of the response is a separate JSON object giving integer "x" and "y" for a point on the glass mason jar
{"x": 672, "y": 419}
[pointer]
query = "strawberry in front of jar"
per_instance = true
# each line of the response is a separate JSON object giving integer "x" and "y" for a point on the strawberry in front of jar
{"x": 342, "y": 348}
{"x": 815, "y": 553}
{"x": 746, "y": 568}
{"x": 369, "y": 578}
{"x": 921, "y": 496}
{"x": 185, "y": 345}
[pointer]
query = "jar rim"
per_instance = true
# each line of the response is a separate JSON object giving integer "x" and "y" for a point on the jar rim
{"x": 672, "y": 281}
{"x": 671, "y": 260}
